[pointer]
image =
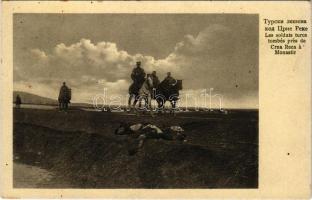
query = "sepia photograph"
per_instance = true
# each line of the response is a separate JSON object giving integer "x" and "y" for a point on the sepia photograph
{"x": 135, "y": 101}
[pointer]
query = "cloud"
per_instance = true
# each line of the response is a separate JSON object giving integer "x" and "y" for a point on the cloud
{"x": 219, "y": 58}
{"x": 209, "y": 59}
{"x": 214, "y": 40}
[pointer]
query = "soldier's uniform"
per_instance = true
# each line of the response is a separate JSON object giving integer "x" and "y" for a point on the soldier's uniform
{"x": 18, "y": 101}
{"x": 64, "y": 97}
{"x": 155, "y": 80}
{"x": 138, "y": 75}
{"x": 170, "y": 81}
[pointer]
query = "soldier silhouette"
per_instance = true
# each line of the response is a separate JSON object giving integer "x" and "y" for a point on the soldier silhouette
{"x": 64, "y": 97}
{"x": 18, "y": 101}
{"x": 169, "y": 80}
{"x": 138, "y": 74}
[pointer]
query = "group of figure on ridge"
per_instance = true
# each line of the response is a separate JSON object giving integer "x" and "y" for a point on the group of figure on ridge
{"x": 144, "y": 87}
{"x": 63, "y": 98}
{"x": 147, "y": 86}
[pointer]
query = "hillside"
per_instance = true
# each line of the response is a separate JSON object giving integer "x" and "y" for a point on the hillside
{"x": 82, "y": 151}
{"x": 28, "y": 98}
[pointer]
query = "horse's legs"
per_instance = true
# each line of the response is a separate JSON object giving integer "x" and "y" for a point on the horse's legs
{"x": 143, "y": 98}
{"x": 132, "y": 96}
{"x": 173, "y": 106}
{"x": 129, "y": 101}
{"x": 134, "y": 103}
{"x": 136, "y": 98}
{"x": 140, "y": 103}
{"x": 160, "y": 105}
{"x": 149, "y": 103}
{"x": 66, "y": 106}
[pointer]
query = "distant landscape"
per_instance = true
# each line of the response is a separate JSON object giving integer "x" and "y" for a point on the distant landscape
{"x": 33, "y": 99}
{"x": 28, "y": 98}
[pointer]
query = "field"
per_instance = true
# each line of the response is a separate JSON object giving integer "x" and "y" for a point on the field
{"x": 78, "y": 149}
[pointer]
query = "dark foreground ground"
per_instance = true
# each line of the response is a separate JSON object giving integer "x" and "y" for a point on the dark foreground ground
{"x": 79, "y": 150}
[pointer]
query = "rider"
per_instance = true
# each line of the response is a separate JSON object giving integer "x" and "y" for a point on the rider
{"x": 169, "y": 80}
{"x": 138, "y": 74}
{"x": 155, "y": 79}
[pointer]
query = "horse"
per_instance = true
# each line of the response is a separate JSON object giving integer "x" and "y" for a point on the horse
{"x": 134, "y": 93}
{"x": 165, "y": 92}
{"x": 141, "y": 91}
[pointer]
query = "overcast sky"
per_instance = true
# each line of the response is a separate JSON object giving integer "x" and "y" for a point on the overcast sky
{"x": 204, "y": 50}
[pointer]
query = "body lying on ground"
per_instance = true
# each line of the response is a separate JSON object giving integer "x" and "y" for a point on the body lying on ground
{"x": 146, "y": 131}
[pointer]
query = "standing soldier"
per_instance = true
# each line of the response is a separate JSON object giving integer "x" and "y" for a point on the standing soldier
{"x": 18, "y": 101}
{"x": 64, "y": 97}
{"x": 138, "y": 74}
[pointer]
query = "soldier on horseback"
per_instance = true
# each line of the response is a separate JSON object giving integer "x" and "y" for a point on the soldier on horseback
{"x": 138, "y": 77}
{"x": 168, "y": 90}
{"x": 155, "y": 79}
{"x": 169, "y": 80}
{"x": 138, "y": 74}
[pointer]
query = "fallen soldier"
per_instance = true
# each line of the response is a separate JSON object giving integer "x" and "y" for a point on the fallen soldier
{"x": 149, "y": 131}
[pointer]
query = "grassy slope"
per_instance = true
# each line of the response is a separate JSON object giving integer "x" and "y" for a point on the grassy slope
{"x": 28, "y": 98}
{"x": 82, "y": 149}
